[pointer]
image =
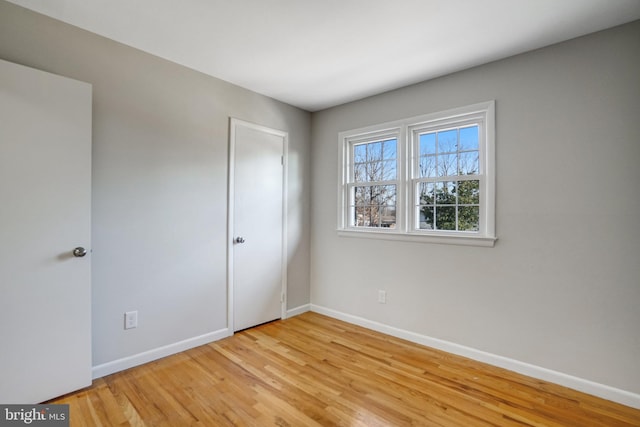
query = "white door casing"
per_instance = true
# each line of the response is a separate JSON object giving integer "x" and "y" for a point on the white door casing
{"x": 45, "y": 212}
{"x": 257, "y": 209}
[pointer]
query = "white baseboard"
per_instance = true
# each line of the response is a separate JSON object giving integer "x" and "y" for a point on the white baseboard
{"x": 298, "y": 310}
{"x": 157, "y": 353}
{"x": 600, "y": 390}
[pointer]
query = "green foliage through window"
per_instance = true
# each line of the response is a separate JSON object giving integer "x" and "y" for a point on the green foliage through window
{"x": 451, "y": 204}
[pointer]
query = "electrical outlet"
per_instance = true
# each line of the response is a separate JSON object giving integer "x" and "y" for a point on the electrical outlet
{"x": 131, "y": 319}
{"x": 382, "y": 297}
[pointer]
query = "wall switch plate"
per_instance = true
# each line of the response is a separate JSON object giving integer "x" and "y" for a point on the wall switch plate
{"x": 131, "y": 319}
{"x": 382, "y": 297}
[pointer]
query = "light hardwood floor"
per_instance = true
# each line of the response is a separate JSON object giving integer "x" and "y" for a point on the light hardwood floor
{"x": 312, "y": 370}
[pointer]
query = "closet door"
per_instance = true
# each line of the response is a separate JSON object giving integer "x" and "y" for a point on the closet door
{"x": 258, "y": 222}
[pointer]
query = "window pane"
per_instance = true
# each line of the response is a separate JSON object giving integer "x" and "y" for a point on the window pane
{"x": 445, "y": 193}
{"x": 375, "y": 161}
{"x": 427, "y": 144}
{"x": 389, "y": 170}
{"x": 469, "y": 163}
{"x": 361, "y": 196}
{"x": 448, "y": 141}
{"x": 360, "y": 153}
{"x": 469, "y": 138}
{"x": 388, "y": 216}
{"x": 469, "y": 192}
{"x": 375, "y": 217}
{"x": 390, "y": 191}
{"x": 374, "y": 171}
{"x": 371, "y": 194}
{"x": 468, "y": 218}
{"x": 447, "y": 165}
{"x": 358, "y": 216}
{"x": 389, "y": 150}
{"x": 445, "y": 218}
{"x": 359, "y": 172}
{"x": 428, "y": 167}
{"x": 426, "y": 218}
{"x": 375, "y": 206}
{"x": 426, "y": 190}
{"x": 366, "y": 219}
{"x": 374, "y": 151}
{"x": 383, "y": 195}
{"x": 382, "y": 216}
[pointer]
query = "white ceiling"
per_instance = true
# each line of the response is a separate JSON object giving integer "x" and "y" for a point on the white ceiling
{"x": 316, "y": 54}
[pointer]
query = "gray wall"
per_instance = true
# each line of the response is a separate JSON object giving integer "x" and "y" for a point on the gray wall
{"x": 561, "y": 288}
{"x": 160, "y": 143}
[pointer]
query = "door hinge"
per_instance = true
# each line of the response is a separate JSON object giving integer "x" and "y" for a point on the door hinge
{"x": 282, "y": 297}
{"x": 282, "y": 160}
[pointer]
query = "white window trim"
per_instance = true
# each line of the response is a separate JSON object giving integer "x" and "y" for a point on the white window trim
{"x": 405, "y": 129}
{"x": 380, "y": 134}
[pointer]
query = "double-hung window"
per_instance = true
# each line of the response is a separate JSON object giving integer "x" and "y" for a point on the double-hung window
{"x": 427, "y": 178}
{"x": 373, "y": 180}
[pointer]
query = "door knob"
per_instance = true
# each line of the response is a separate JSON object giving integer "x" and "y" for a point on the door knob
{"x": 239, "y": 239}
{"x": 79, "y": 252}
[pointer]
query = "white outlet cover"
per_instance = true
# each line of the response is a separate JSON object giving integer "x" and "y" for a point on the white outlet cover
{"x": 382, "y": 297}
{"x": 131, "y": 319}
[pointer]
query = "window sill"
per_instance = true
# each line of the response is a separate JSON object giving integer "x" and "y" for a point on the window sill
{"x": 444, "y": 239}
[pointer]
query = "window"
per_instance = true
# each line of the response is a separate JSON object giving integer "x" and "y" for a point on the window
{"x": 428, "y": 178}
{"x": 447, "y": 179}
{"x": 374, "y": 182}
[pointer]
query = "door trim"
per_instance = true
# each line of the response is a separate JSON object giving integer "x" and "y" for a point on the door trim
{"x": 234, "y": 123}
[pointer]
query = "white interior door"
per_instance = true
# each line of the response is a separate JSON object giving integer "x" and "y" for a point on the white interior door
{"x": 257, "y": 226}
{"x": 45, "y": 212}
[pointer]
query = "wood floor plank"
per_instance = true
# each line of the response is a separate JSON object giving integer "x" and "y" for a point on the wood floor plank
{"x": 312, "y": 370}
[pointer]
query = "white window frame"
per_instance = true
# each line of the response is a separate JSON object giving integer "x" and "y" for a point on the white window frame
{"x": 406, "y": 131}
{"x": 369, "y": 137}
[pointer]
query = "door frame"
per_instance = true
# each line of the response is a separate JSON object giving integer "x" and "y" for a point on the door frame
{"x": 234, "y": 123}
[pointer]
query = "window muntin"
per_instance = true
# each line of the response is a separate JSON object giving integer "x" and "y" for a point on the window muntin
{"x": 437, "y": 185}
